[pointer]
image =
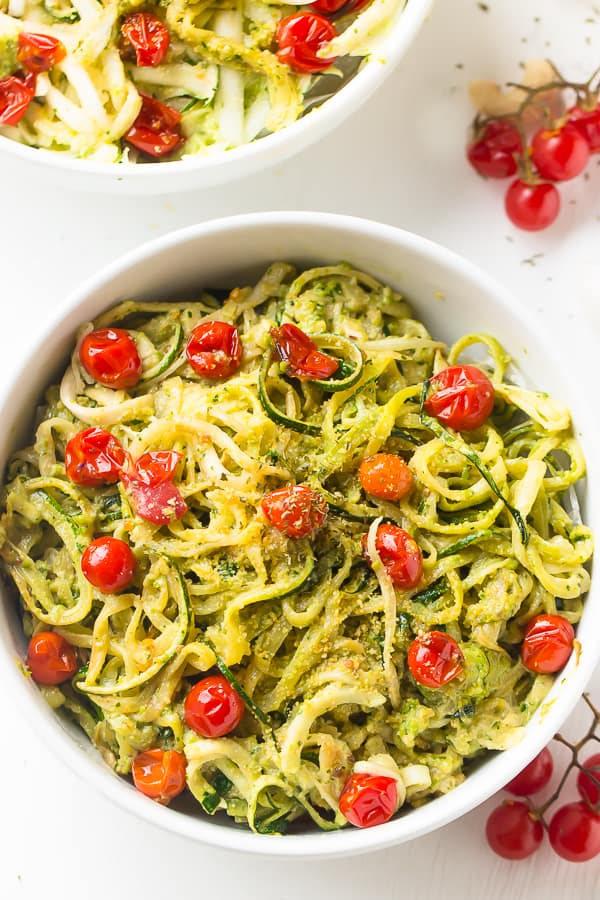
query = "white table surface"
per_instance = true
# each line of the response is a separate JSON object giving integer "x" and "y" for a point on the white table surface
{"x": 399, "y": 160}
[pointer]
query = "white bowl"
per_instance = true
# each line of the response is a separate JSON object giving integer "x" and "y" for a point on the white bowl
{"x": 208, "y": 171}
{"x": 452, "y": 297}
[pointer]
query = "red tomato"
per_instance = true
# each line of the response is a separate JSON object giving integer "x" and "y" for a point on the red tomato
{"x": 532, "y": 207}
{"x": 587, "y": 123}
{"x": 574, "y": 832}
{"x": 494, "y": 153}
{"x": 51, "y": 659}
{"x": 588, "y": 782}
{"x": 157, "y": 130}
{"x": 560, "y": 154}
{"x": 547, "y": 644}
{"x": 157, "y": 466}
{"x": 462, "y": 397}
{"x": 304, "y": 361}
{"x": 213, "y": 707}
{"x": 534, "y": 777}
{"x": 214, "y": 350}
{"x": 399, "y": 553}
{"x": 513, "y": 831}
{"x": 16, "y": 93}
{"x": 159, "y": 503}
{"x": 94, "y": 457}
{"x": 110, "y": 356}
{"x": 368, "y": 799}
{"x": 108, "y": 564}
{"x": 386, "y": 476}
{"x": 39, "y": 52}
{"x": 148, "y": 36}
{"x": 295, "y": 511}
{"x": 434, "y": 659}
{"x": 159, "y": 774}
{"x": 328, "y": 6}
{"x": 299, "y": 38}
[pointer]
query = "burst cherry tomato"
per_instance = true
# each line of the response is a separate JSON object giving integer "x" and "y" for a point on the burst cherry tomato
{"x": 532, "y": 207}
{"x": 328, "y": 6}
{"x": 110, "y": 356}
{"x": 157, "y": 466}
{"x": 214, "y": 350}
{"x": 94, "y": 457}
{"x": 147, "y": 36}
{"x": 295, "y": 511}
{"x": 589, "y": 789}
{"x": 159, "y": 774}
{"x": 574, "y": 832}
{"x": 157, "y": 129}
{"x": 399, "y": 553}
{"x": 16, "y": 93}
{"x": 108, "y": 564}
{"x": 461, "y": 397}
{"x": 386, "y": 476}
{"x": 434, "y": 659}
{"x": 368, "y": 799}
{"x": 159, "y": 504}
{"x": 513, "y": 832}
{"x": 51, "y": 659}
{"x": 547, "y": 644}
{"x": 39, "y": 52}
{"x": 213, "y": 707}
{"x": 560, "y": 154}
{"x": 534, "y": 777}
{"x": 587, "y": 123}
{"x": 304, "y": 361}
{"x": 299, "y": 38}
{"x": 493, "y": 153}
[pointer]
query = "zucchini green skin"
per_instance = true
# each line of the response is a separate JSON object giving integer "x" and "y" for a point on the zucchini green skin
{"x": 168, "y": 357}
{"x": 271, "y": 410}
{"x": 348, "y": 351}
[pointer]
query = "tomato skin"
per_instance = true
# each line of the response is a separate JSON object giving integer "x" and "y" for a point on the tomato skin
{"x": 574, "y": 832}
{"x": 299, "y": 351}
{"x": 94, "y": 457}
{"x": 560, "y": 154}
{"x": 547, "y": 644}
{"x": 589, "y": 790}
{"x": 399, "y": 553}
{"x": 434, "y": 658}
{"x": 16, "y": 93}
{"x": 368, "y": 800}
{"x": 534, "y": 777}
{"x": 159, "y": 774}
{"x": 156, "y": 466}
{"x": 39, "y": 52}
{"x": 386, "y": 476}
{"x": 50, "y": 658}
{"x": 214, "y": 350}
{"x": 295, "y": 511}
{"x": 111, "y": 357}
{"x": 532, "y": 207}
{"x": 461, "y": 397}
{"x": 156, "y": 131}
{"x": 587, "y": 123}
{"x": 148, "y": 36}
{"x": 327, "y": 7}
{"x": 108, "y": 564}
{"x": 299, "y": 37}
{"x": 493, "y": 154}
{"x": 513, "y": 832}
{"x": 213, "y": 707}
{"x": 159, "y": 504}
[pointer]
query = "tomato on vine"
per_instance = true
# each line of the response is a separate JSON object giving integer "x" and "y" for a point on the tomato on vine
{"x": 532, "y": 207}
{"x": 587, "y": 123}
{"x": 574, "y": 832}
{"x": 534, "y": 777}
{"x": 588, "y": 781}
{"x": 559, "y": 154}
{"x": 494, "y": 154}
{"x": 513, "y": 831}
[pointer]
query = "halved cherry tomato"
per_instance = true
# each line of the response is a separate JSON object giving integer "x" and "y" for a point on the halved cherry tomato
{"x": 158, "y": 503}
{"x": 368, "y": 799}
{"x": 534, "y": 777}
{"x": 94, "y": 457}
{"x": 399, "y": 553}
{"x": 295, "y": 511}
{"x": 157, "y": 466}
{"x": 39, "y": 52}
{"x": 462, "y": 397}
{"x": 16, "y": 93}
{"x": 434, "y": 659}
{"x": 157, "y": 130}
{"x": 547, "y": 644}
{"x": 213, "y": 707}
{"x": 50, "y": 658}
{"x": 386, "y": 476}
{"x": 108, "y": 564}
{"x": 159, "y": 774}
{"x": 587, "y": 122}
{"x": 111, "y": 357}
{"x": 147, "y": 35}
{"x": 560, "y": 154}
{"x": 214, "y": 350}
{"x": 299, "y": 38}
{"x": 304, "y": 361}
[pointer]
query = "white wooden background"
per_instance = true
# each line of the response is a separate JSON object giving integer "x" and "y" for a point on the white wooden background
{"x": 399, "y": 160}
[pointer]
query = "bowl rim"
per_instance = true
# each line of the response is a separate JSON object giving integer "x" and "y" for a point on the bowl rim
{"x": 479, "y": 785}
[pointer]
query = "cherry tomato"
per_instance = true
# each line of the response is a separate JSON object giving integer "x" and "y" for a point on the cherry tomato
{"x": 369, "y": 799}
{"x": 159, "y": 774}
{"x": 39, "y": 52}
{"x": 399, "y": 553}
{"x": 295, "y": 511}
{"x": 157, "y": 130}
{"x": 299, "y": 38}
{"x": 534, "y": 777}
{"x": 560, "y": 154}
{"x": 434, "y": 658}
{"x": 589, "y": 789}
{"x": 532, "y": 207}
{"x": 94, "y": 457}
{"x": 461, "y": 397}
{"x": 213, "y": 707}
{"x": 16, "y": 93}
{"x": 108, "y": 564}
{"x": 304, "y": 361}
{"x": 328, "y": 6}
{"x": 214, "y": 350}
{"x": 547, "y": 644}
{"x": 147, "y": 35}
{"x": 157, "y": 466}
{"x": 493, "y": 153}
{"x": 111, "y": 357}
{"x": 158, "y": 503}
{"x": 386, "y": 476}
{"x": 574, "y": 832}
{"x": 513, "y": 832}
{"x": 587, "y": 123}
{"x": 51, "y": 659}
